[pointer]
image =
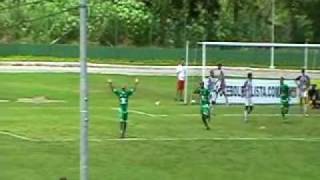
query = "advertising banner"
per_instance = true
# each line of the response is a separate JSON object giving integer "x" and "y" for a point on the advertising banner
{"x": 264, "y": 91}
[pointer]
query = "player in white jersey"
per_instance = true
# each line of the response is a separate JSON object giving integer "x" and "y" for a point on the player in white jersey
{"x": 210, "y": 84}
{"x": 221, "y": 84}
{"x": 247, "y": 92}
{"x": 303, "y": 84}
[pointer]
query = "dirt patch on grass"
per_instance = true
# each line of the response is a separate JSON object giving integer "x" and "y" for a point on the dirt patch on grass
{"x": 39, "y": 100}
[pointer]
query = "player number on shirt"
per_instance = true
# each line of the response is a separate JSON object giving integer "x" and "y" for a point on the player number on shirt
{"x": 123, "y": 100}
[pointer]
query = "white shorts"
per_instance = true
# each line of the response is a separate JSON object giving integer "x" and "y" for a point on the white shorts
{"x": 302, "y": 93}
{"x": 248, "y": 101}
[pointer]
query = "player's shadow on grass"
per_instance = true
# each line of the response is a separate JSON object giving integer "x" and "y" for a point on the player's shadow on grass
{"x": 288, "y": 122}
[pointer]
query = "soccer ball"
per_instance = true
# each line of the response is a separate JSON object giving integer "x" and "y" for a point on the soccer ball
{"x": 157, "y": 103}
{"x": 193, "y": 101}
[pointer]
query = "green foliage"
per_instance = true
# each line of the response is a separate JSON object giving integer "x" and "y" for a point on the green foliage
{"x": 119, "y": 22}
{"x": 27, "y": 25}
{"x": 166, "y": 23}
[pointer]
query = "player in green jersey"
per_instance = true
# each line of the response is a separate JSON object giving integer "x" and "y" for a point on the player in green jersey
{"x": 123, "y": 94}
{"x": 204, "y": 104}
{"x": 284, "y": 97}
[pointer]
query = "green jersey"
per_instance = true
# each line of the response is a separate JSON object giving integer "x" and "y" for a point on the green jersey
{"x": 284, "y": 92}
{"x": 123, "y": 95}
{"x": 204, "y": 95}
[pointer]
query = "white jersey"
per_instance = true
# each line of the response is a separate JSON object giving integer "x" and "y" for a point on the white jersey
{"x": 303, "y": 82}
{"x": 221, "y": 77}
{"x": 181, "y": 72}
{"x": 248, "y": 88}
{"x": 210, "y": 84}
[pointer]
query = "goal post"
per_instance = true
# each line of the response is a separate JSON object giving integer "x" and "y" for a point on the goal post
{"x": 185, "y": 98}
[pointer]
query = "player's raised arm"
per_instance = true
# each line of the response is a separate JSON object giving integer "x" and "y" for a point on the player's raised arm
{"x": 110, "y": 84}
{"x": 136, "y": 82}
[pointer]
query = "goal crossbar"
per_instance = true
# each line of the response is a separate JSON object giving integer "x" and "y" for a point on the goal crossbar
{"x": 251, "y": 44}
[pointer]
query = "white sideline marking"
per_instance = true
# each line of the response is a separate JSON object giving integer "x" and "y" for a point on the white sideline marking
{"x": 190, "y": 115}
{"x": 144, "y": 113}
{"x": 268, "y": 115}
{"x": 220, "y": 139}
{"x": 4, "y": 101}
{"x": 25, "y": 138}
{"x": 167, "y": 139}
{"x": 18, "y": 136}
{"x": 264, "y": 115}
{"x": 225, "y": 115}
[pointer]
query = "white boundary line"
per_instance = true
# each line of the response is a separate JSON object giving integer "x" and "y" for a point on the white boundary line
{"x": 225, "y": 115}
{"x": 185, "y": 115}
{"x": 18, "y": 136}
{"x": 144, "y": 113}
{"x": 267, "y": 115}
{"x": 303, "y": 139}
{"x": 221, "y": 139}
{"x": 25, "y": 138}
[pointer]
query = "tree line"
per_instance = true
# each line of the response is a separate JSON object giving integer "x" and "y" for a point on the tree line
{"x": 164, "y": 23}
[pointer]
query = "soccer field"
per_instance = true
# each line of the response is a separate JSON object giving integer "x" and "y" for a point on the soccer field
{"x": 39, "y": 139}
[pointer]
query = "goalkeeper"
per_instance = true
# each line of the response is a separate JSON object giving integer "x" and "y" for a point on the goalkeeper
{"x": 204, "y": 104}
{"x": 284, "y": 97}
{"x": 123, "y": 94}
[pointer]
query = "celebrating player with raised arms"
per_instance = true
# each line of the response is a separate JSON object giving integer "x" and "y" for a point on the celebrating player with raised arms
{"x": 123, "y": 94}
{"x": 204, "y": 94}
{"x": 303, "y": 83}
{"x": 284, "y": 97}
{"x": 247, "y": 90}
{"x": 221, "y": 83}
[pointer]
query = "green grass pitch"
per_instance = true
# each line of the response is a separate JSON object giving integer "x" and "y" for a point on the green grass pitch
{"x": 197, "y": 156}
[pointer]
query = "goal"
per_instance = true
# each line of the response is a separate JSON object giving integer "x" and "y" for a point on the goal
{"x": 290, "y": 55}
{"x": 248, "y": 54}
